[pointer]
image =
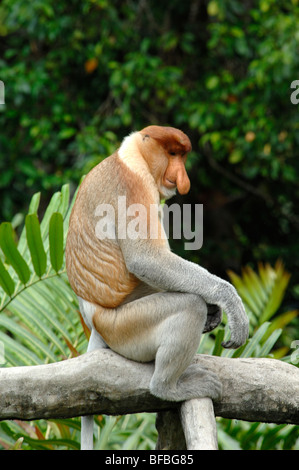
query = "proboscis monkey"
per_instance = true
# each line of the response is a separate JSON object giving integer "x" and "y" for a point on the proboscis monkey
{"x": 136, "y": 296}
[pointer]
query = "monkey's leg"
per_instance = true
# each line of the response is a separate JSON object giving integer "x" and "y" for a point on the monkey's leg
{"x": 166, "y": 327}
{"x": 95, "y": 342}
{"x": 172, "y": 378}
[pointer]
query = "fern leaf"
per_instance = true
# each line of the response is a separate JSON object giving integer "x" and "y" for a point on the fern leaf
{"x": 35, "y": 244}
{"x": 13, "y": 256}
{"x": 56, "y": 240}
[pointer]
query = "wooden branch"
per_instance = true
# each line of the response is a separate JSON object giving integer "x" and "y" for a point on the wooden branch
{"x": 101, "y": 382}
{"x": 170, "y": 432}
{"x": 199, "y": 424}
{"x": 190, "y": 426}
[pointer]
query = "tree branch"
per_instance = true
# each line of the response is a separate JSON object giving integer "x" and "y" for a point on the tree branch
{"x": 190, "y": 426}
{"x": 101, "y": 382}
{"x": 199, "y": 424}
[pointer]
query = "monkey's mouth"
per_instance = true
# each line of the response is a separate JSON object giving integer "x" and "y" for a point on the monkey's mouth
{"x": 167, "y": 190}
{"x": 169, "y": 183}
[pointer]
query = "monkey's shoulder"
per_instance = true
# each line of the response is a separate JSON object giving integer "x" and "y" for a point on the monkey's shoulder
{"x": 114, "y": 177}
{"x": 103, "y": 174}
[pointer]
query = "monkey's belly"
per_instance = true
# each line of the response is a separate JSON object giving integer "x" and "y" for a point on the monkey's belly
{"x": 99, "y": 276}
{"x": 108, "y": 292}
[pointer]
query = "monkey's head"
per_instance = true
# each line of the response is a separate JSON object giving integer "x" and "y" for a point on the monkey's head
{"x": 165, "y": 150}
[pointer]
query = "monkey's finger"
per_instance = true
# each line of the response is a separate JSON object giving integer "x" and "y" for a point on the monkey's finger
{"x": 235, "y": 343}
{"x": 231, "y": 344}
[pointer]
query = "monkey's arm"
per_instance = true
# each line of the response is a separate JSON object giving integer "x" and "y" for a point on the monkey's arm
{"x": 157, "y": 266}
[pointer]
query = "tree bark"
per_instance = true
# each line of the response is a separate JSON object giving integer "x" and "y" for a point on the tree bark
{"x": 199, "y": 424}
{"x": 170, "y": 431}
{"x": 102, "y": 382}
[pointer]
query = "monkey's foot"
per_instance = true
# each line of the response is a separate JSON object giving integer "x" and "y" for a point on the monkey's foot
{"x": 203, "y": 381}
{"x": 195, "y": 382}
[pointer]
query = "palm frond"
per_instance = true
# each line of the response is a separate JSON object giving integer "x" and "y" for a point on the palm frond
{"x": 41, "y": 321}
{"x": 261, "y": 293}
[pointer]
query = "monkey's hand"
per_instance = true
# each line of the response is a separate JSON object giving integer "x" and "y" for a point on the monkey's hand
{"x": 236, "y": 315}
{"x": 213, "y": 318}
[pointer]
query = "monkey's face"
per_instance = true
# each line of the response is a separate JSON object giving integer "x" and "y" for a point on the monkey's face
{"x": 174, "y": 175}
{"x": 165, "y": 150}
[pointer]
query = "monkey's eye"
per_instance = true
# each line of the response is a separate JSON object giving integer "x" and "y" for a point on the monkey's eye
{"x": 172, "y": 153}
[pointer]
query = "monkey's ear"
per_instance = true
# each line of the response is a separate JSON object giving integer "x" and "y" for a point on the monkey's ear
{"x": 145, "y": 137}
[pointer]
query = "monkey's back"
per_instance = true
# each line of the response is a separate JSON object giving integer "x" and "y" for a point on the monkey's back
{"x": 96, "y": 267}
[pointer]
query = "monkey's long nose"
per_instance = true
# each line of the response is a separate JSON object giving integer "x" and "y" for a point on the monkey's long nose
{"x": 182, "y": 182}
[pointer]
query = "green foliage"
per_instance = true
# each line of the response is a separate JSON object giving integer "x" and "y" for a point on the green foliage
{"x": 40, "y": 321}
{"x": 35, "y": 244}
{"x": 262, "y": 294}
{"x": 41, "y": 310}
{"x": 13, "y": 256}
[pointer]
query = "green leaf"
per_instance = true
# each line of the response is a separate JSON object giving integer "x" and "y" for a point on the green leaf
{"x": 46, "y": 444}
{"x": 12, "y": 254}
{"x": 67, "y": 133}
{"x": 254, "y": 286}
{"x": 277, "y": 294}
{"x": 262, "y": 293}
{"x": 268, "y": 345}
{"x": 56, "y": 240}
{"x": 34, "y": 203}
{"x": 254, "y": 342}
{"x": 52, "y": 207}
{"x": 236, "y": 156}
{"x": 6, "y": 281}
{"x": 217, "y": 347}
{"x": 56, "y": 288}
{"x": 18, "y": 444}
{"x": 282, "y": 320}
{"x": 54, "y": 312}
{"x": 244, "y": 292}
{"x": 33, "y": 343}
{"x": 20, "y": 352}
{"x": 65, "y": 199}
{"x": 35, "y": 315}
{"x": 33, "y": 208}
{"x": 35, "y": 244}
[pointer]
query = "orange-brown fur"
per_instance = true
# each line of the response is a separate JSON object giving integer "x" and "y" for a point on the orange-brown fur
{"x": 166, "y": 156}
{"x": 169, "y": 138}
{"x": 96, "y": 268}
{"x": 110, "y": 323}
